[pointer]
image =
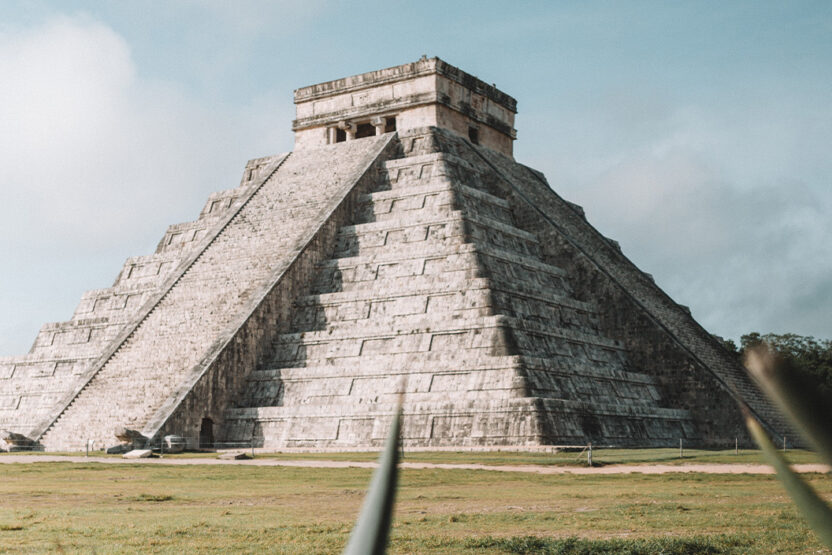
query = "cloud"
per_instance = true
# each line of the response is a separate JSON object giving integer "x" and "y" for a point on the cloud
{"x": 96, "y": 161}
{"x": 722, "y": 211}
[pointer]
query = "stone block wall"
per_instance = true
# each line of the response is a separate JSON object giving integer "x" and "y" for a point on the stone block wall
{"x": 300, "y": 306}
{"x": 203, "y": 303}
{"x": 434, "y": 292}
{"x": 691, "y": 368}
{"x": 32, "y": 386}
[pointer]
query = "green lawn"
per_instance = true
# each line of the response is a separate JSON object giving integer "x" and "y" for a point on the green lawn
{"x": 182, "y": 509}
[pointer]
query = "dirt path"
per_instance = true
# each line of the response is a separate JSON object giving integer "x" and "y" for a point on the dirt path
{"x": 530, "y": 468}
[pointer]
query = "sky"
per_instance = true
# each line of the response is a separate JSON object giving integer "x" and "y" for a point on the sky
{"x": 696, "y": 134}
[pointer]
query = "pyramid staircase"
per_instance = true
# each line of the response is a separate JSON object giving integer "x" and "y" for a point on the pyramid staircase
{"x": 62, "y": 354}
{"x": 298, "y": 307}
{"x": 171, "y": 351}
{"x": 433, "y": 291}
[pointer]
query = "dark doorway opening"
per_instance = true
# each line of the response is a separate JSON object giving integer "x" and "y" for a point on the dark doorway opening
{"x": 365, "y": 130}
{"x": 340, "y": 135}
{"x": 390, "y": 125}
{"x": 474, "y": 135}
{"x": 206, "y": 433}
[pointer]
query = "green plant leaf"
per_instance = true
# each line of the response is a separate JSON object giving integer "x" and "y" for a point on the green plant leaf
{"x": 816, "y": 511}
{"x": 369, "y": 537}
{"x": 797, "y": 400}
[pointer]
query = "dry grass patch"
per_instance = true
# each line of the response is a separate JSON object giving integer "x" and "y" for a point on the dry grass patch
{"x": 175, "y": 509}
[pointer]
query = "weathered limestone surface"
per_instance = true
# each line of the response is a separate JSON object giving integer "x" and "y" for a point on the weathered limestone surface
{"x": 665, "y": 341}
{"x": 369, "y": 263}
{"x": 428, "y": 92}
{"x": 32, "y": 385}
{"x": 174, "y": 343}
{"x": 435, "y": 292}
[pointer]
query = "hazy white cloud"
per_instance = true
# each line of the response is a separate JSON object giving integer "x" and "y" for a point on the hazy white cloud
{"x": 724, "y": 208}
{"x": 699, "y": 145}
{"x": 95, "y": 162}
{"x": 92, "y": 150}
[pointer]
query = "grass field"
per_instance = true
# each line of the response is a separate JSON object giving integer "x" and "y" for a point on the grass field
{"x": 562, "y": 458}
{"x": 158, "y": 508}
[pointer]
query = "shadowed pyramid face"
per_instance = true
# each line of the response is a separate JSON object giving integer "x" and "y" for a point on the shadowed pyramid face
{"x": 290, "y": 311}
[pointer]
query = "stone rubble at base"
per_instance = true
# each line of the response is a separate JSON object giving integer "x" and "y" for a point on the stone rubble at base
{"x": 399, "y": 248}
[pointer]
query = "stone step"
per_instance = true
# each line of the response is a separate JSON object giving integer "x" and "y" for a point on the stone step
{"x": 419, "y": 225}
{"x": 451, "y": 301}
{"x": 431, "y": 229}
{"x": 392, "y": 364}
{"x": 362, "y": 278}
{"x": 347, "y": 426}
{"x": 438, "y": 195}
{"x": 590, "y": 370}
{"x": 545, "y": 307}
{"x": 387, "y": 407}
{"x": 588, "y": 381}
{"x": 362, "y": 391}
{"x": 415, "y": 169}
{"x": 397, "y": 325}
{"x": 413, "y": 251}
{"x": 444, "y": 299}
{"x": 420, "y": 285}
{"x": 125, "y": 297}
{"x": 186, "y": 235}
{"x": 149, "y": 269}
{"x": 76, "y": 336}
{"x": 140, "y": 383}
{"x": 318, "y": 384}
{"x": 403, "y": 172}
{"x": 510, "y": 298}
{"x": 417, "y": 335}
{"x": 397, "y": 362}
{"x": 525, "y": 273}
{"x": 444, "y": 262}
{"x": 480, "y": 205}
{"x": 355, "y": 301}
{"x": 536, "y": 340}
{"x": 487, "y": 231}
{"x": 421, "y": 218}
{"x": 513, "y": 421}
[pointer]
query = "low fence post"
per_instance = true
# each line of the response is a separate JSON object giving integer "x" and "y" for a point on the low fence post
{"x": 736, "y": 446}
{"x": 681, "y": 451}
{"x": 589, "y": 454}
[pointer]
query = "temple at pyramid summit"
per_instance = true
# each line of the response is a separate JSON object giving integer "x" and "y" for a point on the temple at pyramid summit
{"x": 398, "y": 249}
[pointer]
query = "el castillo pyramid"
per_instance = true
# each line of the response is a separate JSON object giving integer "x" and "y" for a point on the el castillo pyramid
{"x": 398, "y": 248}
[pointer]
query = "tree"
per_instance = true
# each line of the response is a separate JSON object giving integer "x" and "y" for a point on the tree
{"x": 809, "y": 359}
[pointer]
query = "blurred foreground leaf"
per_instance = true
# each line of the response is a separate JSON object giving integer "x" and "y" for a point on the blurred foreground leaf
{"x": 816, "y": 511}
{"x": 369, "y": 537}
{"x": 798, "y": 400}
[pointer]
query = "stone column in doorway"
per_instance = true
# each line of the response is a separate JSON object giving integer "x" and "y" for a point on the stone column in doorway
{"x": 349, "y": 129}
{"x": 379, "y": 123}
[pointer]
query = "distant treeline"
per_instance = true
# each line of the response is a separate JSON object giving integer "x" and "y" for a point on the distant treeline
{"x": 810, "y": 359}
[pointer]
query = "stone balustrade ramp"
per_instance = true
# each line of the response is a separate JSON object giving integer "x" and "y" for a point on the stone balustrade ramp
{"x": 33, "y": 385}
{"x": 212, "y": 297}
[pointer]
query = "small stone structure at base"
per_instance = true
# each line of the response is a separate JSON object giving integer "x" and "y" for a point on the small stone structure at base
{"x": 398, "y": 249}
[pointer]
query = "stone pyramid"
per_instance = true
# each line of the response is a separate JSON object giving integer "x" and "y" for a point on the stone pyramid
{"x": 398, "y": 249}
